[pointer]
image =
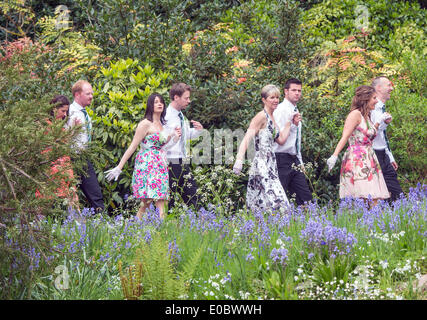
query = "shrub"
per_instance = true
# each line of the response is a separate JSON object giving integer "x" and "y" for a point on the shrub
{"x": 334, "y": 19}
{"x": 407, "y": 134}
{"x": 27, "y": 85}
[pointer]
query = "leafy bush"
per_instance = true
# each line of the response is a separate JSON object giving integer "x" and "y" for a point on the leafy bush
{"x": 27, "y": 84}
{"x": 335, "y": 19}
{"x": 148, "y": 30}
{"x": 407, "y": 134}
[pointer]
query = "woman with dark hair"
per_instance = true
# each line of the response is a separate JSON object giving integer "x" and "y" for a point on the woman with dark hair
{"x": 150, "y": 181}
{"x": 61, "y": 106}
{"x": 360, "y": 175}
{"x": 61, "y": 169}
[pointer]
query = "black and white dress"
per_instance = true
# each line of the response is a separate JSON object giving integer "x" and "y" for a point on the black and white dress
{"x": 265, "y": 192}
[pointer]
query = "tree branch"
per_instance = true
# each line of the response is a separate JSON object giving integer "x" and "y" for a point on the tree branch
{"x": 20, "y": 171}
{"x": 8, "y": 181}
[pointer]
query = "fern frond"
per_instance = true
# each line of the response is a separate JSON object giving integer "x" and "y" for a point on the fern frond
{"x": 189, "y": 268}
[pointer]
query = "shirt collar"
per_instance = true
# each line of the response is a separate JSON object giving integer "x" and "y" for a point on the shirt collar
{"x": 75, "y": 104}
{"x": 289, "y": 103}
{"x": 379, "y": 105}
{"x": 173, "y": 110}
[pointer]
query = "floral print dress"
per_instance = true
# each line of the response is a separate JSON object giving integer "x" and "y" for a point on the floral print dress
{"x": 361, "y": 175}
{"x": 150, "y": 178}
{"x": 265, "y": 192}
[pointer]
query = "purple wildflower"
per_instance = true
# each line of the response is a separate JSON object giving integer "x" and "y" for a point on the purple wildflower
{"x": 279, "y": 255}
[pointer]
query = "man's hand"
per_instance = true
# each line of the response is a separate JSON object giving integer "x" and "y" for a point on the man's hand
{"x": 76, "y": 122}
{"x": 386, "y": 117}
{"x": 178, "y": 132}
{"x": 394, "y": 165}
{"x": 197, "y": 125}
{"x": 297, "y": 118}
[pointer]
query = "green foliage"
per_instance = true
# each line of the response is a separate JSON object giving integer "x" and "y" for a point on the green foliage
{"x": 334, "y": 269}
{"x": 26, "y": 65}
{"x": 120, "y": 95}
{"x": 148, "y": 30}
{"x": 218, "y": 184}
{"x": 336, "y": 19}
{"x": 18, "y": 19}
{"x": 29, "y": 145}
{"x": 23, "y": 119}
{"x": 344, "y": 64}
{"x": 279, "y": 288}
{"x": 76, "y": 56}
{"x": 131, "y": 281}
{"x": 23, "y": 140}
{"x": 276, "y": 36}
{"x": 407, "y": 134}
{"x": 154, "y": 276}
{"x": 254, "y": 44}
{"x": 408, "y": 49}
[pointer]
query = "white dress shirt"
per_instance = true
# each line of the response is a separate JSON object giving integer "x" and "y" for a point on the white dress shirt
{"x": 379, "y": 143}
{"x": 175, "y": 151}
{"x": 76, "y": 116}
{"x": 281, "y": 115}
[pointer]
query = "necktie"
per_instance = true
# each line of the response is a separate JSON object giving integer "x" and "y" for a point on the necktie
{"x": 183, "y": 134}
{"x": 88, "y": 125}
{"x": 296, "y": 140}
{"x": 385, "y": 132}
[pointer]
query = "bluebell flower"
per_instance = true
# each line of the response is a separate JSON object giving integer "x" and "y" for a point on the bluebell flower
{"x": 279, "y": 255}
{"x": 249, "y": 257}
{"x": 147, "y": 236}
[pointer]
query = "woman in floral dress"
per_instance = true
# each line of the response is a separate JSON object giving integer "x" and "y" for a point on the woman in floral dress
{"x": 264, "y": 192}
{"x": 150, "y": 180}
{"x": 360, "y": 175}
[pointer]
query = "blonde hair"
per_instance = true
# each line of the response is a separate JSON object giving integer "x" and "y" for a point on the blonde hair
{"x": 268, "y": 90}
{"x": 78, "y": 86}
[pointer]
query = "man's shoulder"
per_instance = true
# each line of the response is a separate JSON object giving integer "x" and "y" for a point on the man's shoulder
{"x": 75, "y": 108}
{"x": 375, "y": 113}
{"x": 169, "y": 112}
{"x": 379, "y": 105}
{"x": 282, "y": 107}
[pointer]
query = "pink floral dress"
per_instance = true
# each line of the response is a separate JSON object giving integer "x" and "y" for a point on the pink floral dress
{"x": 361, "y": 175}
{"x": 150, "y": 178}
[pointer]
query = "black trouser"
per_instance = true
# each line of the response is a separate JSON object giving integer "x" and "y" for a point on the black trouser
{"x": 91, "y": 188}
{"x": 293, "y": 181}
{"x": 182, "y": 183}
{"x": 390, "y": 175}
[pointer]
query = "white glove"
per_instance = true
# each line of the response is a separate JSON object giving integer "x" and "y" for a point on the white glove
{"x": 237, "y": 168}
{"x": 331, "y": 162}
{"x": 113, "y": 174}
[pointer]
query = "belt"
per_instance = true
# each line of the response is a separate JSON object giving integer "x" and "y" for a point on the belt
{"x": 285, "y": 155}
{"x": 175, "y": 161}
